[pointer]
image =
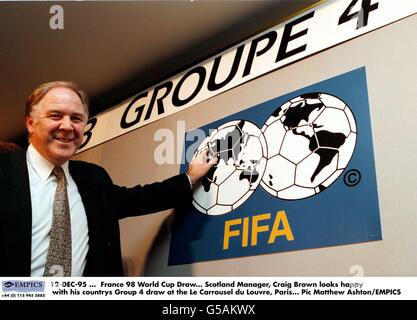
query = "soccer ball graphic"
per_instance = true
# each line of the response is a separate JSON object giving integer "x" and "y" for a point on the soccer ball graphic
{"x": 241, "y": 148}
{"x": 310, "y": 141}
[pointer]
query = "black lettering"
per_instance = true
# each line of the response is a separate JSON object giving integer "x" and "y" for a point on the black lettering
{"x": 88, "y": 133}
{"x": 271, "y": 36}
{"x": 287, "y": 37}
{"x": 362, "y": 15}
{"x": 168, "y": 87}
{"x": 212, "y": 85}
{"x": 139, "y": 110}
{"x": 176, "y": 101}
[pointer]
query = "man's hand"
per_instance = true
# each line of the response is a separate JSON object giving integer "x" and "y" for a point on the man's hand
{"x": 200, "y": 165}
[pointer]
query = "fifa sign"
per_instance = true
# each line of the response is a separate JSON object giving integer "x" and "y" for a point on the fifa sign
{"x": 285, "y": 164}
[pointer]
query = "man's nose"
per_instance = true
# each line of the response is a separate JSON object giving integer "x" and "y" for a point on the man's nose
{"x": 66, "y": 123}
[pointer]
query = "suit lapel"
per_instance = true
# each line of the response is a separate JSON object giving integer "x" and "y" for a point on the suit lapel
{"x": 85, "y": 188}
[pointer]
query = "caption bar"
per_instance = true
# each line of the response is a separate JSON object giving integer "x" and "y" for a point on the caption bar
{"x": 207, "y": 288}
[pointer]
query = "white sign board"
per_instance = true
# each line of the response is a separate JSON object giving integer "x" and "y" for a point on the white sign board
{"x": 314, "y": 30}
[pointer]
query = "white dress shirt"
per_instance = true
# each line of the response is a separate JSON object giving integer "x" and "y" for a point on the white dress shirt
{"x": 42, "y": 191}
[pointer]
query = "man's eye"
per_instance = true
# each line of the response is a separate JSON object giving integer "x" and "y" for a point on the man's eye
{"x": 76, "y": 119}
{"x": 54, "y": 116}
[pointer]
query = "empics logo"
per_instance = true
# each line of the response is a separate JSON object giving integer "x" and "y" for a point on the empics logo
{"x": 23, "y": 286}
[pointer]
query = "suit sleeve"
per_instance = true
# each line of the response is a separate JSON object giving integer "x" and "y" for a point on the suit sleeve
{"x": 171, "y": 193}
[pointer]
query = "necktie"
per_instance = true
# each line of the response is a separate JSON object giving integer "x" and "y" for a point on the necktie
{"x": 58, "y": 260}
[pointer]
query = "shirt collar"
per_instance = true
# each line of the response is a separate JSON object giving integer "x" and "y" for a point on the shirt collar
{"x": 41, "y": 166}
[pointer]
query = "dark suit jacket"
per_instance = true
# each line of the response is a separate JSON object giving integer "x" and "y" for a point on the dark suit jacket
{"x": 104, "y": 202}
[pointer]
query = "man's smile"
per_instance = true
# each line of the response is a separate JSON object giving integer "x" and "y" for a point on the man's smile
{"x": 64, "y": 140}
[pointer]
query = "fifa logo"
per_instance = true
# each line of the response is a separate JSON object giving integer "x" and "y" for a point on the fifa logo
{"x": 302, "y": 148}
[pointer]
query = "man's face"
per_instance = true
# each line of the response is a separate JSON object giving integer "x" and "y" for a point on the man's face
{"x": 56, "y": 125}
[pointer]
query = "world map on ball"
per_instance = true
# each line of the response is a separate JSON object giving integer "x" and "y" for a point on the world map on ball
{"x": 310, "y": 141}
{"x": 302, "y": 148}
{"x": 241, "y": 149}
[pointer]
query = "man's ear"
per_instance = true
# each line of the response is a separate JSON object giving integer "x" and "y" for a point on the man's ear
{"x": 29, "y": 124}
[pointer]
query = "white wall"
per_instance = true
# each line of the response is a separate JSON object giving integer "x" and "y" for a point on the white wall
{"x": 390, "y": 57}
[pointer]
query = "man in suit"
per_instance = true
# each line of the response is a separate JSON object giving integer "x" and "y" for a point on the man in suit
{"x": 56, "y": 114}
